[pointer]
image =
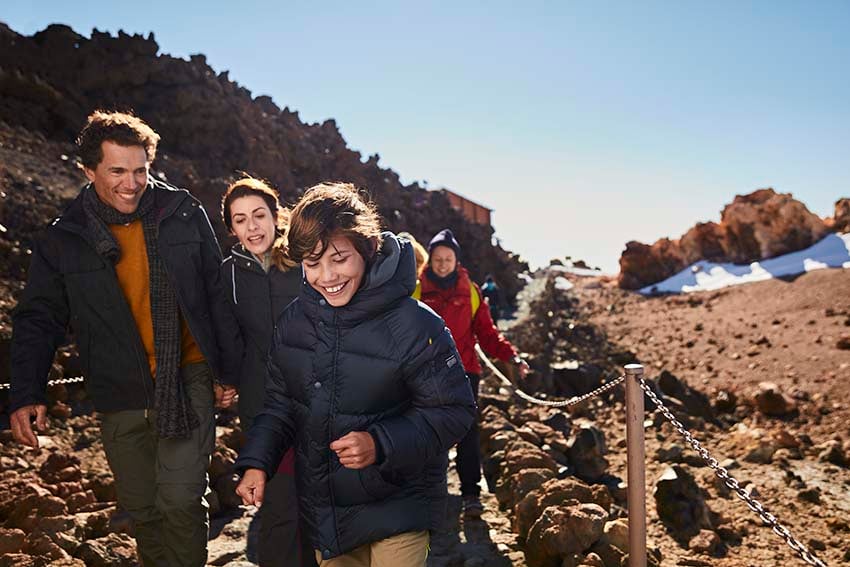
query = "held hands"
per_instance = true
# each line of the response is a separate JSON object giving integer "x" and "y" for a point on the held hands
{"x": 22, "y": 426}
{"x": 224, "y": 395}
{"x": 356, "y": 449}
{"x": 252, "y": 487}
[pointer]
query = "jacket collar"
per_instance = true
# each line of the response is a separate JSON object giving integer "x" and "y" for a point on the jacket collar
{"x": 246, "y": 260}
{"x": 460, "y": 288}
{"x": 168, "y": 201}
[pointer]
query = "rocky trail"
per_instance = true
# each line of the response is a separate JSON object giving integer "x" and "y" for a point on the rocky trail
{"x": 555, "y": 480}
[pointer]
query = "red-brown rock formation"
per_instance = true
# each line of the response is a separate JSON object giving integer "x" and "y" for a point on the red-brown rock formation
{"x": 760, "y": 225}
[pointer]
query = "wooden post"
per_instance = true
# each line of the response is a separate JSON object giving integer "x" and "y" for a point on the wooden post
{"x": 636, "y": 466}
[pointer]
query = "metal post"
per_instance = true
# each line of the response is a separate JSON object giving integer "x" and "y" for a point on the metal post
{"x": 636, "y": 467}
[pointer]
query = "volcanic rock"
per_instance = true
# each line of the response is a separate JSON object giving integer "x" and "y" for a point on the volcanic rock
{"x": 586, "y": 452}
{"x": 11, "y": 540}
{"x": 561, "y": 530}
{"x": 757, "y": 226}
{"x": 771, "y": 401}
{"x": 114, "y": 550}
{"x": 681, "y": 503}
{"x": 840, "y": 221}
{"x": 554, "y": 492}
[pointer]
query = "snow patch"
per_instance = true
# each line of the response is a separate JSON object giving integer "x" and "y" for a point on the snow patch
{"x": 563, "y": 284}
{"x": 833, "y": 251}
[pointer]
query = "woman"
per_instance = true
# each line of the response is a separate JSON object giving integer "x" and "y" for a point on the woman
{"x": 447, "y": 289}
{"x": 261, "y": 284}
{"x": 366, "y": 383}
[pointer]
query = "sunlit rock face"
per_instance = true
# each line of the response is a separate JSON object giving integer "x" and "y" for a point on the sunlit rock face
{"x": 757, "y": 226}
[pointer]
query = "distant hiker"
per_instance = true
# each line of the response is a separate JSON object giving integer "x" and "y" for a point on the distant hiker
{"x": 419, "y": 251}
{"x": 447, "y": 289}
{"x": 132, "y": 267}
{"x": 365, "y": 383}
{"x": 493, "y": 295}
{"x": 262, "y": 281}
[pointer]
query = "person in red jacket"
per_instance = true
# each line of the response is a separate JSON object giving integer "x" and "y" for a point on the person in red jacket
{"x": 447, "y": 289}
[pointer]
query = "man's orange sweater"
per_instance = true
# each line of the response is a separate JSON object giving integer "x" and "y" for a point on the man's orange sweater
{"x": 134, "y": 277}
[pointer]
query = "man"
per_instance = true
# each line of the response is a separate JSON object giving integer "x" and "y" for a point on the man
{"x": 132, "y": 267}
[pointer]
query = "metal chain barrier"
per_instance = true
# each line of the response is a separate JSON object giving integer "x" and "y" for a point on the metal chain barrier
{"x": 723, "y": 474}
{"x": 73, "y": 380}
{"x": 549, "y": 403}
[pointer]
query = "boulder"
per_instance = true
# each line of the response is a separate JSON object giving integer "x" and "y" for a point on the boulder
{"x": 707, "y": 542}
{"x": 756, "y": 226}
{"x": 764, "y": 224}
{"x": 11, "y": 540}
{"x": 586, "y": 450}
{"x": 572, "y": 378}
{"x": 554, "y": 492}
{"x": 562, "y": 530}
{"x": 840, "y": 221}
{"x": 113, "y": 550}
{"x": 681, "y": 503}
{"x": 695, "y": 402}
{"x": 61, "y": 467}
{"x": 33, "y": 507}
{"x": 512, "y": 489}
{"x": 616, "y": 533}
{"x": 771, "y": 401}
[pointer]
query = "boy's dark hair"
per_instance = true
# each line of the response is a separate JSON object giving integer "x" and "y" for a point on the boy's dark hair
{"x": 332, "y": 209}
{"x": 120, "y": 127}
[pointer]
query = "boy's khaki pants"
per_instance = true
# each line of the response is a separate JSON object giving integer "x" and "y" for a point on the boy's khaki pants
{"x": 409, "y": 549}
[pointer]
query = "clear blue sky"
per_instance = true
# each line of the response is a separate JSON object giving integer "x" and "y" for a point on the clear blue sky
{"x": 583, "y": 124}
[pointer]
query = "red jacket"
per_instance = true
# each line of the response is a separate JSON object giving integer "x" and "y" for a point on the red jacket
{"x": 454, "y": 306}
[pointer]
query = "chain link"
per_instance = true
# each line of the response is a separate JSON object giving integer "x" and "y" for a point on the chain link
{"x": 548, "y": 403}
{"x": 723, "y": 474}
{"x": 73, "y": 380}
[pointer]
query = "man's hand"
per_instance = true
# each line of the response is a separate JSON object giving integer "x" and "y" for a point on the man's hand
{"x": 224, "y": 395}
{"x": 22, "y": 425}
{"x": 252, "y": 487}
{"x": 356, "y": 450}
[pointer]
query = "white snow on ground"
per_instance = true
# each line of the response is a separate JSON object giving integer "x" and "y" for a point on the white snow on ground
{"x": 831, "y": 252}
{"x": 563, "y": 283}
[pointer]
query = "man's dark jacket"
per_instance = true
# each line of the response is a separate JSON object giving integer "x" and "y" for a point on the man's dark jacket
{"x": 71, "y": 285}
{"x": 258, "y": 298}
{"x": 383, "y": 363}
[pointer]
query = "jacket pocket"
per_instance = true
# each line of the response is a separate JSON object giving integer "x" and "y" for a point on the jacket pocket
{"x": 352, "y": 487}
{"x": 376, "y": 485}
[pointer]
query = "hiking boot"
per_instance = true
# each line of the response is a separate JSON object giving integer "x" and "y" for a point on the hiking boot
{"x": 472, "y": 507}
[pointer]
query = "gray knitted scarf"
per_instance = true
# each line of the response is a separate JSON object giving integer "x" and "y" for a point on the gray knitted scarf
{"x": 175, "y": 416}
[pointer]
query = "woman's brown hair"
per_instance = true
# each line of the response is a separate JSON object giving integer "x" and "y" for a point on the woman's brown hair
{"x": 328, "y": 210}
{"x": 251, "y": 187}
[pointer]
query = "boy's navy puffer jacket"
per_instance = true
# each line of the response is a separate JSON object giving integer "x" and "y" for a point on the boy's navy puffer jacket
{"x": 383, "y": 363}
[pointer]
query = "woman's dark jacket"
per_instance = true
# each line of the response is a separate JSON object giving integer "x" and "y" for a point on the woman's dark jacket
{"x": 385, "y": 364}
{"x": 258, "y": 299}
{"x": 71, "y": 285}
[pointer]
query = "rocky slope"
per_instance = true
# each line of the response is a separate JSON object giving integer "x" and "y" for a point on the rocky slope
{"x": 757, "y": 226}
{"x": 211, "y": 129}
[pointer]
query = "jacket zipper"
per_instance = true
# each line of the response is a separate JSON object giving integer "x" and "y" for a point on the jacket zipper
{"x": 331, "y": 423}
{"x": 144, "y": 369}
